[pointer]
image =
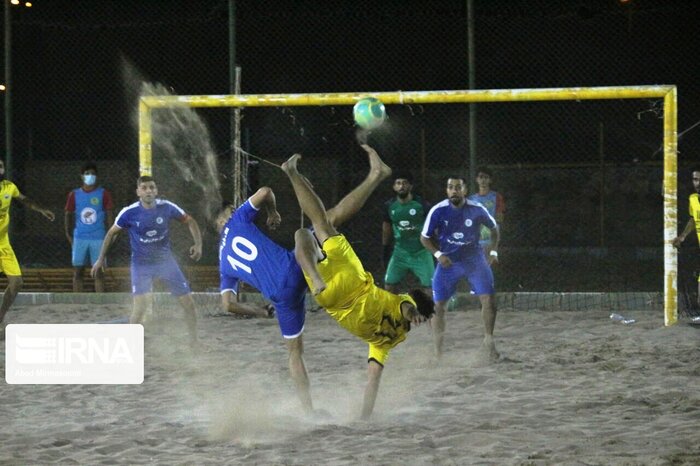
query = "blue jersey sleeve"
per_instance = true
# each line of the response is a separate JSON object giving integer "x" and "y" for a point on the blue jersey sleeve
{"x": 485, "y": 218}
{"x": 228, "y": 283}
{"x": 246, "y": 213}
{"x": 123, "y": 219}
{"x": 431, "y": 223}
{"x": 175, "y": 211}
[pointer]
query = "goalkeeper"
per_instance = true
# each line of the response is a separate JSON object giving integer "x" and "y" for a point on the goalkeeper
{"x": 403, "y": 220}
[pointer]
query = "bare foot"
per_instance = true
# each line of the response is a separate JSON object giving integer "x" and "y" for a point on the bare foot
{"x": 290, "y": 166}
{"x": 361, "y": 135}
{"x": 377, "y": 167}
{"x": 488, "y": 349}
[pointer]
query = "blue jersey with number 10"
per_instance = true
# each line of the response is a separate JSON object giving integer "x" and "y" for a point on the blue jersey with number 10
{"x": 247, "y": 254}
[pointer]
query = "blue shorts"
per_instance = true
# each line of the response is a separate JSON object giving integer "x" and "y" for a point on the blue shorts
{"x": 167, "y": 271}
{"x": 474, "y": 269}
{"x": 288, "y": 300}
{"x": 289, "y": 303}
{"x": 85, "y": 251}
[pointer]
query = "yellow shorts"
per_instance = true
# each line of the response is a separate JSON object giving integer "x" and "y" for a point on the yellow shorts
{"x": 8, "y": 261}
{"x": 343, "y": 273}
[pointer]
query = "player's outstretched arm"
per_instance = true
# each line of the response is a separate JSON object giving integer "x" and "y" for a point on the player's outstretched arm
{"x": 374, "y": 376}
{"x": 196, "y": 248}
{"x": 264, "y": 198}
{"x": 229, "y": 304}
{"x": 111, "y": 235}
{"x": 36, "y": 207}
{"x": 689, "y": 227}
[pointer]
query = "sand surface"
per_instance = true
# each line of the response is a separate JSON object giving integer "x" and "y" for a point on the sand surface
{"x": 570, "y": 388}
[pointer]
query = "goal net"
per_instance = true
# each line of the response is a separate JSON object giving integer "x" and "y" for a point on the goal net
{"x": 588, "y": 176}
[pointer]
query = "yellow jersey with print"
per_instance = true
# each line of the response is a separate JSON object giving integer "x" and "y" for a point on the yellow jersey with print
{"x": 8, "y": 191}
{"x": 357, "y": 304}
{"x": 694, "y": 207}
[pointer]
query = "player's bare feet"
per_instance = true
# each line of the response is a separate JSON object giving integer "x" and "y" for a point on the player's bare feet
{"x": 361, "y": 135}
{"x": 377, "y": 167}
{"x": 290, "y": 166}
{"x": 488, "y": 350}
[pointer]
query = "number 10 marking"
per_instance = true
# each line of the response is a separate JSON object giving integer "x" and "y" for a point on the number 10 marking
{"x": 249, "y": 254}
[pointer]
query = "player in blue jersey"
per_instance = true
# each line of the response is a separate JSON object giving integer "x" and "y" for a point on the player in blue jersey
{"x": 87, "y": 213}
{"x": 246, "y": 254}
{"x": 147, "y": 222}
{"x": 451, "y": 233}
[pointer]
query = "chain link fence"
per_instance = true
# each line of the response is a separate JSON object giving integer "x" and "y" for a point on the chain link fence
{"x": 582, "y": 180}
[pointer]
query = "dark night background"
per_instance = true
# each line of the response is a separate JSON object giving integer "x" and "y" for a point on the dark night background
{"x": 582, "y": 180}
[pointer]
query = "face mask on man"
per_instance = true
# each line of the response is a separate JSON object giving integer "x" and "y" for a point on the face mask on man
{"x": 89, "y": 180}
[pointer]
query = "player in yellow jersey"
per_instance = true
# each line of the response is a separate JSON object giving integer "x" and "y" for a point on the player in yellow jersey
{"x": 8, "y": 262}
{"x": 694, "y": 221}
{"x": 339, "y": 282}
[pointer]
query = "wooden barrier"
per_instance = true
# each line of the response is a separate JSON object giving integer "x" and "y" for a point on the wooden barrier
{"x": 117, "y": 279}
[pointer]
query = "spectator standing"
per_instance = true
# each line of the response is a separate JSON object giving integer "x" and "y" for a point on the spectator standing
{"x": 88, "y": 211}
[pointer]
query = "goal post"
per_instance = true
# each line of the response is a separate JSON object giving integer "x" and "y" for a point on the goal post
{"x": 670, "y": 137}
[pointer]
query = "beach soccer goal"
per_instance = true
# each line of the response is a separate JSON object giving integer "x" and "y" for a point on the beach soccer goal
{"x": 589, "y": 175}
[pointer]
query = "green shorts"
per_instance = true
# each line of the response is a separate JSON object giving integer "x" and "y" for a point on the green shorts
{"x": 419, "y": 263}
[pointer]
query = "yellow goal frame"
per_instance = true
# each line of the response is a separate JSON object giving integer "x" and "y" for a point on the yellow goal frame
{"x": 666, "y": 92}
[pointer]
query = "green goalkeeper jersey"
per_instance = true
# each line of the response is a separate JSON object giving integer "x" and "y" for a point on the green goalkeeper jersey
{"x": 406, "y": 222}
